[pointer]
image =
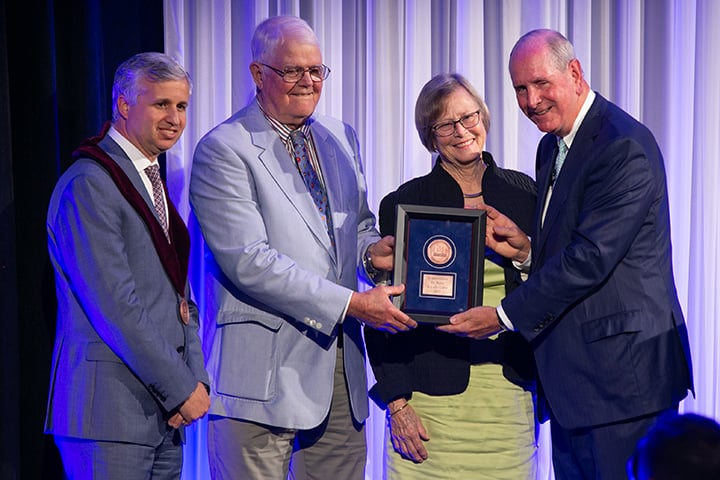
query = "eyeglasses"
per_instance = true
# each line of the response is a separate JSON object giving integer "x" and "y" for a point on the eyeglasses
{"x": 448, "y": 128}
{"x": 318, "y": 73}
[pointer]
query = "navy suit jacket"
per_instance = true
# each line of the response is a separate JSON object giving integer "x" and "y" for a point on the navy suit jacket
{"x": 123, "y": 358}
{"x": 600, "y": 306}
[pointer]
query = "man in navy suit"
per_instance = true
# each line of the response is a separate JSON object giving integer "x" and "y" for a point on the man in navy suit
{"x": 283, "y": 336}
{"x": 600, "y": 306}
{"x": 127, "y": 372}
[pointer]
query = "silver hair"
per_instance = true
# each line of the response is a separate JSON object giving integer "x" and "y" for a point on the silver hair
{"x": 561, "y": 50}
{"x": 150, "y": 66}
{"x": 274, "y": 32}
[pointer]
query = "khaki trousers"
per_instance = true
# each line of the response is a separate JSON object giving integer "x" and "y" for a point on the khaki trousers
{"x": 242, "y": 450}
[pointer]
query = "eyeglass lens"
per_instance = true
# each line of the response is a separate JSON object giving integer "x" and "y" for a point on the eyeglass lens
{"x": 467, "y": 121}
{"x": 317, "y": 73}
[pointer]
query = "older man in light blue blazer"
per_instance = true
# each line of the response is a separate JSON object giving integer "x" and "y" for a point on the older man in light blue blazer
{"x": 283, "y": 317}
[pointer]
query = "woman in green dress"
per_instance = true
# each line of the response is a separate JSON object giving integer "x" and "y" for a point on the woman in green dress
{"x": 458, "y": 407}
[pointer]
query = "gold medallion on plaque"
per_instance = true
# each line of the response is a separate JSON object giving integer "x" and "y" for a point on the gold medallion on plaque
{"x": 184, "y": 311}
{"x": 439, "y": 251}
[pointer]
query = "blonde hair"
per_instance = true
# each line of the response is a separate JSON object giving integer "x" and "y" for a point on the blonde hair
{"x": 430, "y": 104}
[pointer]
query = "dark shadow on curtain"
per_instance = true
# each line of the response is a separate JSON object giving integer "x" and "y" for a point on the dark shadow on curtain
{"x": 57, "y": 60}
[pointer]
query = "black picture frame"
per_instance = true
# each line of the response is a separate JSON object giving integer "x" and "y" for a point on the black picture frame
{"x": 439, "y": 256}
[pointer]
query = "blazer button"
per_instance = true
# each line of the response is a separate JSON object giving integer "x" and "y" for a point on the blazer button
{"x": 318, "y": 325}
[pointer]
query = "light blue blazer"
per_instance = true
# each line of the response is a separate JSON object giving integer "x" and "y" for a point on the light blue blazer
{"x": 276, "y": 290}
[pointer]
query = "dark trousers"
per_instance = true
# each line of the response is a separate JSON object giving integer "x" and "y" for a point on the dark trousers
{"x": 96, "y": 460}
{"x": 599, "y": 452}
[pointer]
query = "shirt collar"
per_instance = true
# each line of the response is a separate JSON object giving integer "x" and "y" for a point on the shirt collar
{"x": 568, "y": 139}
{"x": 282, "y": 129}
{"x": 139, "y": 160}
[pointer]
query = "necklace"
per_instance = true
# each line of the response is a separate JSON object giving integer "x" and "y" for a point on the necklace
{"x": 472, "y": 195}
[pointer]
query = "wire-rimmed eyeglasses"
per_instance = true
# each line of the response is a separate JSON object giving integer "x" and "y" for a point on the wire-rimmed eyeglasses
{"x": 318, "y": 73}
{"x": 448, "y": 128}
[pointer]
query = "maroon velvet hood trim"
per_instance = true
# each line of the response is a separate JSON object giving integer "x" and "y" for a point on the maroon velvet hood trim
{"x": 174, "y": 255}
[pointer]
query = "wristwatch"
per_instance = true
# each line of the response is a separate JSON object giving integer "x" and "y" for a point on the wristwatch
{"x": 367, "y": 264}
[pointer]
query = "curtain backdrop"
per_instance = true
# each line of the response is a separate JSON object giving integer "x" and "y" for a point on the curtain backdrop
{"x": 656, "y": 58}
{"x": 57, "y": 60}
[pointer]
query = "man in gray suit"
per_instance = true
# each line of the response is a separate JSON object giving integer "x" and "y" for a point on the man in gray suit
{"x": 127, "y": 370}
{"x": 283, "y": 332}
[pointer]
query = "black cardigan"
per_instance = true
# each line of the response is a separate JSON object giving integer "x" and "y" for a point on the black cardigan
{"x": 437, "y": 363}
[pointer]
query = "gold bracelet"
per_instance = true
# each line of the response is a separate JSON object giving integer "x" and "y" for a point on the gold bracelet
{"x": 390, "y": 414}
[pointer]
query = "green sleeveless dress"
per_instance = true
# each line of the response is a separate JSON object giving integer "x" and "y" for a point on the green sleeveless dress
{"x": 488, "y": 431}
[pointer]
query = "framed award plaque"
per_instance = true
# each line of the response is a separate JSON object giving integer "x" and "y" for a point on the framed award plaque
{"x": 439, "y": 254}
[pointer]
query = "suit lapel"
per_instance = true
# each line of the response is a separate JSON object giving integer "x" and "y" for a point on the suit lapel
{"x": 581, "y": 152}
{"x": 174, "y": 256}
{"x": 545, "y": 159}
{"x": 281, "y": 167}
{"x": 127, "y": 166}
{"x": 327, "y": 158}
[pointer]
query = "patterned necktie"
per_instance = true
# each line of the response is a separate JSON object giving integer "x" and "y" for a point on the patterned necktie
{"x": 153, "y": 173}
{"x": 312, "y": 182}
{"x": 559, "y": 159}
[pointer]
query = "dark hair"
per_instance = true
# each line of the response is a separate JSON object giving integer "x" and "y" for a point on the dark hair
{"x": 678, "y": 447}
{"x": 150, "y": 66}
{"x": 430, "y": 104}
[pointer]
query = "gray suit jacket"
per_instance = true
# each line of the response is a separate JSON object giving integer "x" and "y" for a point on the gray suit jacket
{"x": 276, "y": 289}
{"x": 123, "y": 358}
